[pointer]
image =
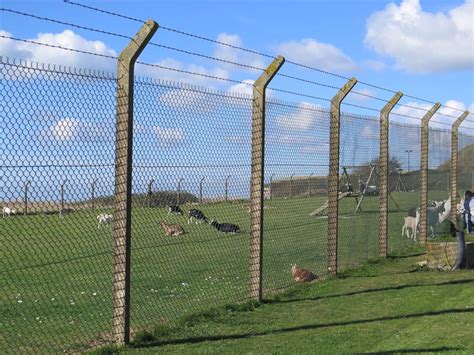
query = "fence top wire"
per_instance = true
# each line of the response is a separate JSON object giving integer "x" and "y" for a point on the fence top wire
{"x": 260, "y": 54}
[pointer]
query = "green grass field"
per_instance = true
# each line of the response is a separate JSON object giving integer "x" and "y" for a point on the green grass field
{"x": 56, "y": 273}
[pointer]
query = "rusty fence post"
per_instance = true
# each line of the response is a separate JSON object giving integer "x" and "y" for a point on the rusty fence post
{"x": 333, "y": 178}
{"x": 383, "y": 172}
{"x": 454, "y": 165}
{"x": 257, "y": 178}
{"x": 424, "y": 148}
{"x": 123, "y": 182}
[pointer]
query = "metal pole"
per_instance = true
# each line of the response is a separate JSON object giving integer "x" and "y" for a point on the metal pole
{"x": 26, "y": 187}
{"x": 200, "y": 189}
{"x": 424, "y": 171}
{"x": 309, "y": 188}
{"x": 383, "y": 173}
{"x": 257, "y": 179}
{"x": 123, "y": 182}
{"x": 227, "y": 187}
{"x": 271, "y": 186}
{"x": 291, "y": 185}
{"x": 62, "y": 196}
{"x": 454, "y": 165}
{"x": 178, "y": 191}
{"x": 333, "y": 177}
{"x": 93, "y": 193}
{"x": 150, "y": 191}
{"x": 408, "y": 151}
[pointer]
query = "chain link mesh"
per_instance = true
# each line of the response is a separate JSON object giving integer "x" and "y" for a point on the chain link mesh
{"x": 191, "y": 158}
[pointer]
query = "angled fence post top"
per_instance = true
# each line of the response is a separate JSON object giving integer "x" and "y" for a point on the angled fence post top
{"x": 138, "y": 43}
{"x": 342, "y": 93}
{"x": 427, "y": 117}
{"x": 391, "y": 104}
{"x": 269, "y": 73}
{"x": 459, "y": 121}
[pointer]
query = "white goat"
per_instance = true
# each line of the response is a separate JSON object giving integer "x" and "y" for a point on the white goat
{"x": 433, "y": 216}
{"x": 410, "y": 223}
{"x": 104, "y": 219}
{"x": 8, "y": 211}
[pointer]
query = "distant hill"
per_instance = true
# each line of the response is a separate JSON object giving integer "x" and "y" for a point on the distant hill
{"x": 465, "y": 160}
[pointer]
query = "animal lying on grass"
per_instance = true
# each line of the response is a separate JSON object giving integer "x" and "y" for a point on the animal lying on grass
{"x": 302, "y": 275}
{"x": 225, "y": 227}
{"x": 171, "y": 229}
{"x": 104, "y": 219}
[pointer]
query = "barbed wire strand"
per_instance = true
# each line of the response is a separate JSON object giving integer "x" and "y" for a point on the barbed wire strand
{"x": 257, "y": 53}
{"x": 197, "y": 74}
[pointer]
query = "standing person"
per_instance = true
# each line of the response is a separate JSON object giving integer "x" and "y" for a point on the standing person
{"x": 469, "y": 210}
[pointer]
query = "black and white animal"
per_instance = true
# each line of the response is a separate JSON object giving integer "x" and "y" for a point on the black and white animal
{"x": 225, "y": 227}
{"x": 197, "y": 215}
{"x": 174, "y": 209}
{"x": 104, "y": 219}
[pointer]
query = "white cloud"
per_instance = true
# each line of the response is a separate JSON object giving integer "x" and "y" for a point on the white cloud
{"x": 235, "y": 55}
{"x": 246, "y": 87}
{"x": 310, "y": 52}
{"x": 301, "y": 119}
{"x": 190, "y": 100}
{"x": 174, "y": 70}
{"x": 169, "y": 135}
{"x": 454, "y": 108}
{"x": 69, "y": 129}
{"x": 368, "y": 133}
{"x": 423, "y": 42}
{"x": 68, "y": 39}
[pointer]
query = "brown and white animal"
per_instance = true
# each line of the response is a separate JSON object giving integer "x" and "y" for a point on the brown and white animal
{"x": 411, "y": 224}
{"x": 104, "y": 219}
{"x": 171, "y": 229}
{"x": 302, "y": 275}
{"x": 7, "y": 211}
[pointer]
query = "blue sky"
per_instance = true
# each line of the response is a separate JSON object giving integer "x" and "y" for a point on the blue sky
{"x": 423, "y": 48}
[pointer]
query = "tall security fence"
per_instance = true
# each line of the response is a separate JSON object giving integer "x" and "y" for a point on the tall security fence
{"x": 130, "y": 202}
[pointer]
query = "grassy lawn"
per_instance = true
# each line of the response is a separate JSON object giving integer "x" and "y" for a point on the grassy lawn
{"x": 56, "y": 273}
{"x": 384, "y": 306}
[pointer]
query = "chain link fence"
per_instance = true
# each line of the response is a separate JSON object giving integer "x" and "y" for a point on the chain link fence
{"x": 191, "y": 201}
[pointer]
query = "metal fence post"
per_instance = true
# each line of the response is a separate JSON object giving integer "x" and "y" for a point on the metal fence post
{"x": 178, "y": 192}
{"x": 200, "y": 189}
{"x": 257, "y": 178}
{"x": 62, "y": 196}
{"x": 25, "y": 201}
{"x": 424, "y": 171}
{"x": 291, "y": 185}
{"x": 227, "y": 187}
{"x": 149, "y": 193}
{"x": 333, "y": 178}
{"x": 309, "y": 187}
{"x": 454, "y": 165}
{"x": 383, "y": 172}
{"x": 94, "y": 181}
{"x": 123, "y": 181}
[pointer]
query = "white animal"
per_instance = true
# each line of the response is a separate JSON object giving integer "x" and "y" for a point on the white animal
{"x": 447, "y": 211}
{"x": 8, "y": 211}
{"x": 433, "y": 216}
{"x": 410, "y": 224}
{"x": 104, "y": 219}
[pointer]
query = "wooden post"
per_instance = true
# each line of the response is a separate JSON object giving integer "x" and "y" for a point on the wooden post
{"x": 123, "y": 182}
{"x": 309, "y": 188}
{"x": 291, "y": 185}
{"x": 424, "y": 171}
{"x": 271, "y": 186}
{"x": 94, "y": 181}
{"x": 62, "y": 196}
{"x": 383, "y": 173}
{"x": 257, "y": 178}
{"x": 333, "y": 178}
{"x": 178, "y": 192}
{"x": 454, "y": 165}
{"x": 201, "y": 188}
{"x": 149, "y": 194}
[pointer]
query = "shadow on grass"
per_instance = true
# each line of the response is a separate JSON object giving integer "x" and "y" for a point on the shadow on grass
{"x": 381, "y": 289}
{"x": 199, "y": 339}
{"x": 428, "y": 350}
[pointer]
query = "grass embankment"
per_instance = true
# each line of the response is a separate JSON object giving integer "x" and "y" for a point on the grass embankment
{"x": 384, "y": 306}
